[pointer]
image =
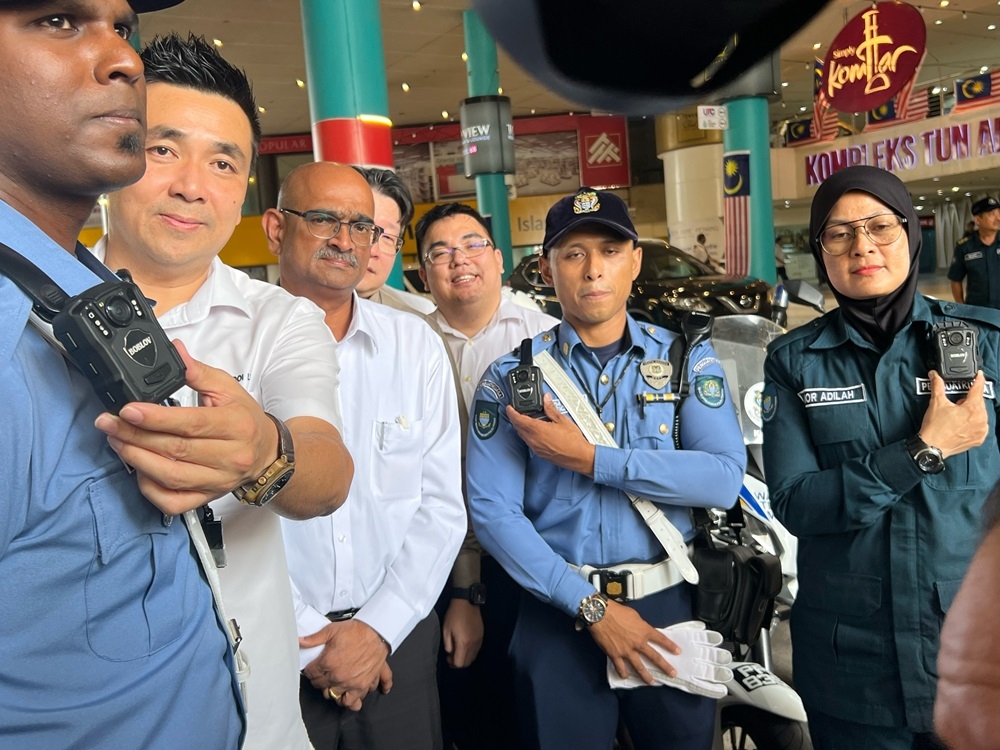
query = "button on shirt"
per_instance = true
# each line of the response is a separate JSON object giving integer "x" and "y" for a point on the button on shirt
{"x": 108, "y": 633}
{"x": 389, "y": 548}
{"x": 535, "y": 517}
{"x": 981, "y": 265}
{"x": 882, "y": 547}
{"x": 511, "y": 324}
{"x": 279, "y": 348}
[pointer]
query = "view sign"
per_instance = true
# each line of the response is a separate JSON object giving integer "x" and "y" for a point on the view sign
{"x": 873, "y": 56}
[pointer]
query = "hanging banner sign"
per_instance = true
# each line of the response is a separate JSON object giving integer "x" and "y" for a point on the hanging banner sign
{"x": 873, "y": 57}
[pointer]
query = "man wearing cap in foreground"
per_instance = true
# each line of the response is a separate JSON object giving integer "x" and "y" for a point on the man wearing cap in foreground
{"x": 107, "y": 628}
{"x": 977, "y": 257}
{"x": 552, "y": 507}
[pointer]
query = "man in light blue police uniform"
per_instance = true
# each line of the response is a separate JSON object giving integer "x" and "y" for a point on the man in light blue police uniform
{"x": 108, "y": 634}
{"x": 545, "y": 501}
{"x": 977, "y": 258}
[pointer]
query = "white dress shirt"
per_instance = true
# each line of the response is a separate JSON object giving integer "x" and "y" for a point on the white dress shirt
{"x": 400, "y": 300}
{"x": 511, "y": 324}
{"x": 389, "y": 549}
{"x": 280, "y": 349}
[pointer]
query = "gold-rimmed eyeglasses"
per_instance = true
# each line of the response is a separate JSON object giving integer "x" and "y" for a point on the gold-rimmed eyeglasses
{"x": 882, "y": 229}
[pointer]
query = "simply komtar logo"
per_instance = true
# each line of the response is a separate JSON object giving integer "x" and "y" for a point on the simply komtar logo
{"x": 140, "y": 348}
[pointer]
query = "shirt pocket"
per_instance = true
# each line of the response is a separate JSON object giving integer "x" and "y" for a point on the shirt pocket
{"x": 843, "y": 610}
{"x": 652, "y": 430}
{"x": 397, "y": 458}
{"x": 840, "y": 432}
{"x": 131, "y": 589}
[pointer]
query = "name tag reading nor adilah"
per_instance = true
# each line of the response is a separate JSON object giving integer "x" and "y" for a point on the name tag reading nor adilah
{"x": 850, "y": 394}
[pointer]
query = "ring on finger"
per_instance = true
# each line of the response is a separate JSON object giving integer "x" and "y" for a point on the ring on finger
{"x": 332, "y": 696}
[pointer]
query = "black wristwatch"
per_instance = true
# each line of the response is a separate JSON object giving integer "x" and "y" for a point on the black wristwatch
{"x": 592, "y": 610}
{"x": 928, "y": 459}
{"x": 262, "y": 490}
{"x": 474, "y": 594}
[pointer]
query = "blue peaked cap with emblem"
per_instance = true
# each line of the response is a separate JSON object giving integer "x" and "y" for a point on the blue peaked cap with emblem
{"x": 587, "y": 206}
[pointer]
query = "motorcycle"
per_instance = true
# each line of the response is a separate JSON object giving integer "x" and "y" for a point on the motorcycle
{"x": 761, "y": 710}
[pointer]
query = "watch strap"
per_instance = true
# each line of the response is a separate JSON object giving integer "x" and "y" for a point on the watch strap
{"x": 474, "y": 594}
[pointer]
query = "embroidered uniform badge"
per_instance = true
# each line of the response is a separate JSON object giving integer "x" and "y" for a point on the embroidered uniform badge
{"x": 487, "y": 419}
{"x": 768, "y": 403}
{"x": 586, "y": 202}
{"x": 708, "y": 389}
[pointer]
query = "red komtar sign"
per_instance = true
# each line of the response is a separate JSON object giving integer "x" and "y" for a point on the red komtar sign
{"x": 873, "y": 56}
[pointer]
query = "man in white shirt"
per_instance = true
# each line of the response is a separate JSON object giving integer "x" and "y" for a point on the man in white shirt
{"x": 393, "y": 214}
{"x": 367, "y": 577}
{"x": 167, "y": 229}
{"x": 463, "y": 270}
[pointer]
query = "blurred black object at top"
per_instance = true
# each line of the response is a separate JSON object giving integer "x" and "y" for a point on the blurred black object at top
{"x": 641, "y": 56}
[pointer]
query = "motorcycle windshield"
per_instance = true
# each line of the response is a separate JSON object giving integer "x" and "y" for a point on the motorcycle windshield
{"x": 740, "y": 341}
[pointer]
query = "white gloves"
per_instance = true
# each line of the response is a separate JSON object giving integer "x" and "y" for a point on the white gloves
{"x": 700, "y": 665}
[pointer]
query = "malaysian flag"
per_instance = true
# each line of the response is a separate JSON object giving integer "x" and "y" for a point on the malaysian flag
{"x": 823, "y": 126}
{"x": 978, "y": 91}
{"x": 891, "y": 113}
{"x": 736, "y": 211}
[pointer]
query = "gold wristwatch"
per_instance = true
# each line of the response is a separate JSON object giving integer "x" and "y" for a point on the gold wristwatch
{"x": 262, "y": 490}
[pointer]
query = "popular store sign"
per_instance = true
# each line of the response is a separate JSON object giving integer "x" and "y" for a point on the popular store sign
{"x": 948, "y": 143}
{"x": 873, "y": 57}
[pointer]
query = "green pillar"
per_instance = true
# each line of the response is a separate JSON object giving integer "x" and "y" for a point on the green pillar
{"x": 749, "y": 131}
{"x": 348, "y": 98}
{"x": 484, "y": 80}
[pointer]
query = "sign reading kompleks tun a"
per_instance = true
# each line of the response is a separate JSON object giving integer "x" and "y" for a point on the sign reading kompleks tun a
{"x": 873, "y": 56}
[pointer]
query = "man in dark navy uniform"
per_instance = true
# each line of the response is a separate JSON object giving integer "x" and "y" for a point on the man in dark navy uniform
{"x": 977, "y": 257}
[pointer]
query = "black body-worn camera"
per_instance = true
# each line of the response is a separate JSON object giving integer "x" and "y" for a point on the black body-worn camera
{"x": 526, "y": 384}
{"x": 111, "y": 333}
{"x": 108, "y": 331}
{"x": 955, "y": 350}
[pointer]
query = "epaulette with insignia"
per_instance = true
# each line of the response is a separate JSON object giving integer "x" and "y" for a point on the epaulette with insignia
{"x": 963, "y": 241}
{"x": 812, "y": 328}
{"x": 980, "y": 314}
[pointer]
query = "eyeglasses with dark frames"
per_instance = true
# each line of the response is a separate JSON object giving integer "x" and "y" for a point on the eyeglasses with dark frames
{"x": 323, "y": 225}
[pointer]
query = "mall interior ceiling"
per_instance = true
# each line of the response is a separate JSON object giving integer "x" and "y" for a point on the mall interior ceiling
{"x": 424, "y": 48}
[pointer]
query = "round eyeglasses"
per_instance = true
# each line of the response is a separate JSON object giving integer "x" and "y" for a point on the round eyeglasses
{"x": 883, "y": 229}
{"x": 440, "y": 255}
{"x": 324, "y": 226}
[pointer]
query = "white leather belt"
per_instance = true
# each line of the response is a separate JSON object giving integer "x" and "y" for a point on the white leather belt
{"x": 631, "y": 581}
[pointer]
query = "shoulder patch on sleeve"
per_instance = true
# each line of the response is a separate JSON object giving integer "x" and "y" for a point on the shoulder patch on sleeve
{"x": 485, "y": 419}
{"x": 706, "y": 362}
{"x": 708, "y": 389}
{"x": 768, "y": 402}
{"x": 492, "y": 388}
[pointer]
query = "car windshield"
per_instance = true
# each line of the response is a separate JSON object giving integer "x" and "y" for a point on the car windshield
{"x": 661, "y": 263}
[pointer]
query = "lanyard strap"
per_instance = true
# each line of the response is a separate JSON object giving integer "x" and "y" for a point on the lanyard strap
{"x": 593, "y": 429}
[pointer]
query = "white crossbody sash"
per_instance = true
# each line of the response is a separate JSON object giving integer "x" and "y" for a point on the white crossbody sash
{"x": 593, "y": 429}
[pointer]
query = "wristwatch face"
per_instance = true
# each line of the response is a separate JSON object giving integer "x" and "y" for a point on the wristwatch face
{"x": 929, "y": 461}
{"x": 592, "y": 609}
{"x": 276, "y": 487}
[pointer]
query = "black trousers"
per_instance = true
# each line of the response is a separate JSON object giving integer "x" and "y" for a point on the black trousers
{"x": 478, "y": 711}
{"x": 409, "y": 716}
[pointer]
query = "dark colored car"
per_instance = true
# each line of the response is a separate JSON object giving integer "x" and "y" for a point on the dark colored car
{"x": 669, "y": 284}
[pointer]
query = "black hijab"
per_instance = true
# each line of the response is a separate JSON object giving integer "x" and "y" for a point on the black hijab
{"x": 879, "y": 319}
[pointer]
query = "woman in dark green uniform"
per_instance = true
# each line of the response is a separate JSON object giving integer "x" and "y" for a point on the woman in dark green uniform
{"x": 878, "y": 466}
